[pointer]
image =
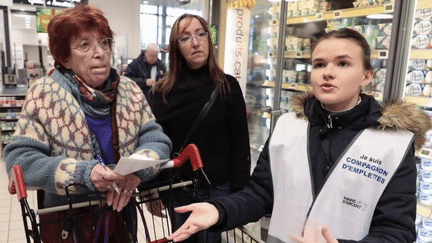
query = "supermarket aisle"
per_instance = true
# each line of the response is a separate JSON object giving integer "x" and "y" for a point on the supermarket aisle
{"x": 11, "y": 223}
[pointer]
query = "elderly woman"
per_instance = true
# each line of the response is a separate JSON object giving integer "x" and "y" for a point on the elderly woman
{"x": 82, "y": 117}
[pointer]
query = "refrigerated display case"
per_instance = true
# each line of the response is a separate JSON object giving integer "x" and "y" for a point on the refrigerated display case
{"x": 279, "y": 52}
{"x": 414, "y": 86}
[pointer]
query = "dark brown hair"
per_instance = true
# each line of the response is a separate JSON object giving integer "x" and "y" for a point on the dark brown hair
{"x": 353, "y": 35}
{"x": 176, "y": 60}
{"x": 69, "y": 24}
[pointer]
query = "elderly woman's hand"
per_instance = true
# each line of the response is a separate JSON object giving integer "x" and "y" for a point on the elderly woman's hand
{"x": 127, "y": 185}
{"x": 103, "y": 178}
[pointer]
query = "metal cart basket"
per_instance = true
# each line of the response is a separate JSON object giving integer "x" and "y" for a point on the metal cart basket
{"x": 156, "y": 228}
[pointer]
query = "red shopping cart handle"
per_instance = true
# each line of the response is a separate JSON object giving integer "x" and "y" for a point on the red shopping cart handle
{"x": 192, "y": 153}
{"x": 16, "y": 183}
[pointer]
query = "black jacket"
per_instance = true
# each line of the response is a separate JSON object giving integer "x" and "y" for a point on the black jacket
{"x": 222, "y": 137}
{"x": 394, "y": 216}
{"x": 139, "y": 71}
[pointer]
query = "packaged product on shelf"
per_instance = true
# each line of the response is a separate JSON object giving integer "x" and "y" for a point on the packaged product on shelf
{"x": 427, "y": 223}
{"x": 417, "y": 76}
{"x": 423, "y": 14}
{"x": 323, "y": 6}
{"x": 291, "y": 43}
{"x": 426, "y": 164}
{"x": 414, "y": 89}
{"x": 376, "y": 63}
{"x": 423, "y": 27}
{"x": 426, "y": 187}
{"x": 285, "y": 76}
{"x": 424, "y": 234}
{"x": 385, "y": 29}
{"x": 427, "y": 90}
{"x": 302, "y": 77}
{"x": 380, "y": 86}
{"x": 361, "y": 3}
{"x": 418, "y": 219}
{"x": 422, "y": 42}
{"x": 383, "y": 42}
{"x": 426, "y": 175}
{"x": 292, "y": 76}
{"x": 304, "y": 12}
{"x": 425, "y": 199}
{"x": 417, "y": 64}
{"x": 429, "y": 76}
{"x": 429, "y": 64}
{"x": 270, "y": 73}
{"x": 306, "y": 44}
{"x": 380, "y": 74}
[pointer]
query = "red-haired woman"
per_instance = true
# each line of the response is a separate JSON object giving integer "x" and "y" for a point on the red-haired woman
{"x": 82, "y": 117}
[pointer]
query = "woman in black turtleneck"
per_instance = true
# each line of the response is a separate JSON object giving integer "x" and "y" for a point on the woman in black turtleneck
{"x": 176, "y": 101}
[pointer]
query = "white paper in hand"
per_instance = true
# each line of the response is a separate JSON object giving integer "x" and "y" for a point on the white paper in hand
{"x": 135, "y": 162}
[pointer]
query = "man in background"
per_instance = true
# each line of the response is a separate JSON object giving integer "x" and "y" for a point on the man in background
{"x": 146, "y": 69}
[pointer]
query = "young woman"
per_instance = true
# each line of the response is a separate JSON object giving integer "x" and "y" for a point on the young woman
{"x": 177, "y": 100}
{"x": 339, "y": 169}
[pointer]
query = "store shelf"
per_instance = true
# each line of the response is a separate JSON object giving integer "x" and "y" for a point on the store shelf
{"x": 423, "y": 4}
{"x": 289, "y": 86}
{"x": 11, "y": 103}
{"x": 375, "y": 54}
{"x": 424, "y": 152}
{"x": 423, "y": 210}
{"x": 419, "y": 100}
{"x": 345, "y": 13}
{"x": 421, "y": 54}
{"x": 297, "y": 54}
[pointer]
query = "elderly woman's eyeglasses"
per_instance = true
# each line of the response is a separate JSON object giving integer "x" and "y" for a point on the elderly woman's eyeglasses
{"x": 105, "y": 44}
{"x": 187, "y": 39}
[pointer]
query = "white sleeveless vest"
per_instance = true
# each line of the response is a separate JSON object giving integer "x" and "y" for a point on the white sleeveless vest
{"x": 347, "y": 201}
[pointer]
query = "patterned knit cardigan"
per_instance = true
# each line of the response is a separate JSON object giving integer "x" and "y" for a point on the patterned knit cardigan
{"x": 52, "y": 139}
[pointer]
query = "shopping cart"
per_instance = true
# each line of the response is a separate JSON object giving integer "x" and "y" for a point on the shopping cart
{"x": 156, "y": 228}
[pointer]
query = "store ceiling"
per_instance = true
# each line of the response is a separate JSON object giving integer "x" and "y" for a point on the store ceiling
{"x": 190, "y": 4}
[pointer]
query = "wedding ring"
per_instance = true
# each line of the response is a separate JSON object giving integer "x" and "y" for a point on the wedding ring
{"x": 129, "y": 193}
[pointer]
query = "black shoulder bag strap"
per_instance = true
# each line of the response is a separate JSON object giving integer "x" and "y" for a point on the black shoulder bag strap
{"x": 200, "y": 117}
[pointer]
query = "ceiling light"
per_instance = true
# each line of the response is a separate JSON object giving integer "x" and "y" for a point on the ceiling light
{"x": 380, "y": 16}
{"x": 145, "y": 2}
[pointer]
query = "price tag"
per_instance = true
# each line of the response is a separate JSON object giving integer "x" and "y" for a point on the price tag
{"x": 425, "y": 152}
{"x": 337, "y": 14}
{"x": 319, "y": 16}
{"x": 299, "y": 54}
{"x": 388, "y": 8}
{"x": 382, "y": 54}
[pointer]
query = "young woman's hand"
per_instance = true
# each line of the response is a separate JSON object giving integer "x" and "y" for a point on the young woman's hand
{"x": 203, "y": 215}
{"x": 314, "y": 233}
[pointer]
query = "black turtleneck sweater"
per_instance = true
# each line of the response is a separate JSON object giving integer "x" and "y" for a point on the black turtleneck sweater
{"x": 222, "y": 137}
